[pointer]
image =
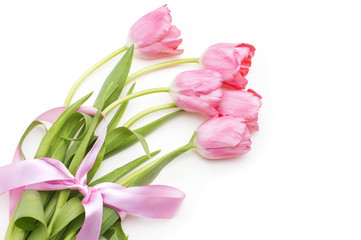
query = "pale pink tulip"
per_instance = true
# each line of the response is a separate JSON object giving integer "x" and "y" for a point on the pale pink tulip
{"x": 223, "y": 137}
{"x": 154, "y": 36}
{"x": 197, "y": 91}
{"x": 240, "y": 103}
{"x": 231, "y": 60}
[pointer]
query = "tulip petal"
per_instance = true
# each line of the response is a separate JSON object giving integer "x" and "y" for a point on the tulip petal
{"x": 172, "y": 37}
{"x": 151, "y": 28}
{"x": 157, "y": 50}
{"x": 194, "y": 104}
{"x": 240, "y": 103}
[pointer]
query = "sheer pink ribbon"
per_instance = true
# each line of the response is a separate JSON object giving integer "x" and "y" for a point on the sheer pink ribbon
{"x": 154, "y": 201}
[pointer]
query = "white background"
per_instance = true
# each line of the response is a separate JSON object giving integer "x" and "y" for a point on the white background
{"x": 301, "y": 180}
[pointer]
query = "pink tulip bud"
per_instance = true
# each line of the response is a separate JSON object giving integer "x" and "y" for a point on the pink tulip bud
{"x": 240, "y": 103}
{"x": 153, "y": 35}
{"x": 223, "y": 137}
{"x": 231, "y": 60}
{"x": 197, "y": 91}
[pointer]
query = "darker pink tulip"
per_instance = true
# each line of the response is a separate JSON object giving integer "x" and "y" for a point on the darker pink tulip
{"x": 231, "y": 60}
{"x": 223, "y": 137}
{"x": 154, "y": 36}
{"x": 197, "y": 91}
{"x": 241, "y": 103}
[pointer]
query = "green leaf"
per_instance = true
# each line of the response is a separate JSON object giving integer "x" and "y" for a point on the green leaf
{"x": 143, "y": 142}
{"x": 30, "y": 214}
{"x": 38, "y": 233}
{"x": 74, "y": 123}
{"x": 59, "y": 236}
{"x": 71, "y": 152}
{"x": 118, "y": 115}
{"x": 51, "y": 205}
{"x": 116, "y": 174}
{"x": 149, "y": 174}
{"x": 72, "y": 209}
{"x": 123, "y": 132}
{"x": 119, "y": 233}
{"x": 117, "y": 77}
{"x": 63, "y": 132}
{"x": 49, "y": 137}
{"x": 108, "y": 234}
{"x": 75, "y": 225}
{"x": 84, "y": 119}
{"x": 117, "y": 135}
{"x": 27, "y": 131}
{"x": 118, "y": 140}
{"x": 110, "y": 216}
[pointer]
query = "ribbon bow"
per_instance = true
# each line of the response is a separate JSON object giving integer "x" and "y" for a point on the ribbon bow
{"x": 153, "y": 201}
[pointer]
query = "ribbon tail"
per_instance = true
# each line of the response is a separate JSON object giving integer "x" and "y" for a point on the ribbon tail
{"x": 153, "y": 201}
{"x": 14, "y": 198}
{"x": 93, "y": 206}
{"x": 15, "y": 194}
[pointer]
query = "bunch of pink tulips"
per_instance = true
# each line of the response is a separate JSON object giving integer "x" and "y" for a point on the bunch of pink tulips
{"x": 58, "y": 199}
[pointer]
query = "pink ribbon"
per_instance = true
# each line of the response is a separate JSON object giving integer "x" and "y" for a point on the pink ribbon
{"x": 154, "y": 201}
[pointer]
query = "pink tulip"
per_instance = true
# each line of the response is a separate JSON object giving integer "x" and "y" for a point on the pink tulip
{"x": 153, "y": 35}
{"x": 231, "y": 60}
{"x": 223, "y": 137}
{"x": 197, "y": 91}
{"x": 240, "y": 103}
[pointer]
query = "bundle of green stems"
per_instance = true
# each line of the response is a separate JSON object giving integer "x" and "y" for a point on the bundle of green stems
{"x": 59, "y": 215}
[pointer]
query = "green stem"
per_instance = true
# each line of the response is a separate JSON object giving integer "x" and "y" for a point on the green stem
{"x": 146, "y": 112}
{"x": 90, "y": 71}
{"x": 133, "y": 95}
{"x": 160, "y": 66}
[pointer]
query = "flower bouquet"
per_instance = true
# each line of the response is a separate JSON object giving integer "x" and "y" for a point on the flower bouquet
{"x": 54, "y": 196}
